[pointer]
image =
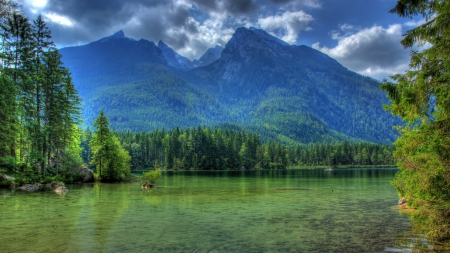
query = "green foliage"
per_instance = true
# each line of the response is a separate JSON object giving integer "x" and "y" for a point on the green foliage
{"x": 344, "y": 153}
{"x": 420, "y": 96}
{"x": 8, "y": 119}
{"x": 39, "y": 106}
{"x": 205, "y": 148}
{"x": 9, "y": 164}
{"x": 27, "y": 175}
{"x": 302, "y": 98}
{"x": 111, "y": 160}
{"x": 151, "y": 176}
{"x": 53, "y": 179}
{"x": 70, "y": 162}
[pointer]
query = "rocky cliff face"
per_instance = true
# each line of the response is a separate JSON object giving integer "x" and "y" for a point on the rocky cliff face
{"x": 174, "y": 59}
{"x": 211, "y": 55}
{"x": 257, "y": 81}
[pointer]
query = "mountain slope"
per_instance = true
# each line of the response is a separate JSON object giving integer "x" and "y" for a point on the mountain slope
{"x": 165, "y": 101}
{"x": 260, "y": 68}
{"x": 174, "y": 59}
{"x": 110, "y": 61}
{"x": 211, "y": 55}
{"x": 286, "y": 93}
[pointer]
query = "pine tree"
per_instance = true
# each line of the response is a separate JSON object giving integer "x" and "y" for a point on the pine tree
{"x": 421, "y": 97}
{"x": 8, "y": 119}
{"x": 111, "y": 160}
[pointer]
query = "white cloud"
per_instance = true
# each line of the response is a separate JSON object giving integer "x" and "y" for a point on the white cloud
{"x": 374, "y": 51}
{"x": 286, "y": 26}
{"x": 55, "y": 18}
{"x": 38, "y": 3}
{"x": 415, "y": 23}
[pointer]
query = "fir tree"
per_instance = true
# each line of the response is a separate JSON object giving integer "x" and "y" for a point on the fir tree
{"x": 422, "y": 98}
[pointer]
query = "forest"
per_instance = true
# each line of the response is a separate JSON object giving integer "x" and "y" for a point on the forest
{"x": 41, "y": 138}
{"x": 204, "y": 148}
{"x": 39, "y": 105}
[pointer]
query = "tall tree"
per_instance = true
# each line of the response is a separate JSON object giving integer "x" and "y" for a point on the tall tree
{"x": 8, "y": 119}
{"x": 421, "y": 97}
{"x": 111, "y": 160}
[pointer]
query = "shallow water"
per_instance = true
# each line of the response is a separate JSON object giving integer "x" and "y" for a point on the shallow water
{"x": 226, "y": 211}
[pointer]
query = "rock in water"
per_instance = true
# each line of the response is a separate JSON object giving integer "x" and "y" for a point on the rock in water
{"x": 61, "y": 190}
{"x": 29, "y": 187}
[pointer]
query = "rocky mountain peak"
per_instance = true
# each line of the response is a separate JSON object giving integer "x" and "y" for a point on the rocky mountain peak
{"x": 245, "y": 40}
{"x": 118, "y": 34}
{"x": 173, "y": 58}
{"x": 211, "y": 55}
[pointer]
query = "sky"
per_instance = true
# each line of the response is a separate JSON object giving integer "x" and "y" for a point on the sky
{"x": 361, "y": 34}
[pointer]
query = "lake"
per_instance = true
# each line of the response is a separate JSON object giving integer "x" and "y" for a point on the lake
{"x": 348, "y": 210}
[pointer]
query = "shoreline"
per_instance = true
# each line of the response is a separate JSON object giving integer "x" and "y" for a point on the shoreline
{"x": 293, "y": 167}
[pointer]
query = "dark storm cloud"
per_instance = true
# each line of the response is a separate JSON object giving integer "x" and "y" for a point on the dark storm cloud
{"x": 171, "y": 21}
{"x": 240, "y": 6}
{"x": 207, "y": 4}
{"x": 280, "y": 1}
{"x": 192, "y": 26}
{"x": 229, "y": 6}
{"x": 98, "y": 13}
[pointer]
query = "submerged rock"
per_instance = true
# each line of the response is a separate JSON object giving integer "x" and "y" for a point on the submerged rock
{"x": 29, "y": 187}
{"x": 61, "y": 190}
{"x": 147, "y": 185}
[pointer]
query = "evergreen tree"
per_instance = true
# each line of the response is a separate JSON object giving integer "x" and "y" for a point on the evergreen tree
{"x": 111, "y": 160}
{"x": 421, "y": 97}
{"x": 8, "y": 124}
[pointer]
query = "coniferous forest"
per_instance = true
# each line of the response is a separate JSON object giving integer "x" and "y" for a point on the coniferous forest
{"x": 42, "y": 139}
{"x": 39, "y": 106}
{"x": 204, "y": 148}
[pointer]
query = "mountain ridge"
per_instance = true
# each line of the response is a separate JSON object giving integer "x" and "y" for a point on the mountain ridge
{"x": 290, "y": 93}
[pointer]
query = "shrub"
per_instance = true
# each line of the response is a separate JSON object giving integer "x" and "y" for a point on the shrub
{"x": 151, "y": 176}
{"x": 8, "y": 164}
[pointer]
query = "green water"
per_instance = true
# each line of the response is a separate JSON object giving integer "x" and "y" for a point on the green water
{"x": 228, "y": 211}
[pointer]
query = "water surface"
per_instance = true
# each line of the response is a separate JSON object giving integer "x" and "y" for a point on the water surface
{"x": 351, "y": 210}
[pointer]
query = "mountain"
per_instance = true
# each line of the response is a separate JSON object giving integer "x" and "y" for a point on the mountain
{"x": 174, "y": 59}
{"x": 114, "y": 60}
{"x": 211, "y": 55}
{"x": 284, "y": 92}
{"x": 289, "y": 86}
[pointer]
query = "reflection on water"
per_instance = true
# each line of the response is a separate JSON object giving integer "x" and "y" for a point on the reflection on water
{"x": 213, "y": 211}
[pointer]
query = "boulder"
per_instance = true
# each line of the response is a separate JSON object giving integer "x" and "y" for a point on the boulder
{"x": 402, "y": 201}
{"x": 7, "y": 181}
{"x": 61, "y": 190}
{"x": 29, "y": 187}
{"x": 5, "y": 177}
{"x": 147, "y": 185}
{"x": 88, "y": 175}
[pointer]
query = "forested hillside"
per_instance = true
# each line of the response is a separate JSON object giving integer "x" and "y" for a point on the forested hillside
{"x": 203, "y": 148}
{"x": 289, "y": 94}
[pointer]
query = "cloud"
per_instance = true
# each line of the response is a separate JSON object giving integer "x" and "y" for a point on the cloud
{"x": 415, "y": 23}
{"x": 55, "y": 18}
{"x": 188, "y": 26}
{"x": 228, "y": 6}
{"x": 286, "y": 26}
{"x": 374, "y": 51}
{"x": 297, "y": 3}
